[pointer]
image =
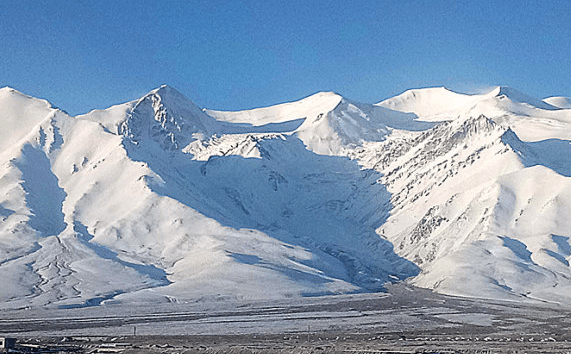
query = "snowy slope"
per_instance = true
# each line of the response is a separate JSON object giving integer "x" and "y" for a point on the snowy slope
{"x": 159, "y": 200}
{"x": 481, "y": 211}
{"x": 330, "y": 122}
{"x": 532, "y": 119}
{"x": 466, "y": 211}
{"x": 435, "y": 103}
{"x": 156, "y": 200}
{"x": 439, "y": 103}
{"x": 558, "y": 101}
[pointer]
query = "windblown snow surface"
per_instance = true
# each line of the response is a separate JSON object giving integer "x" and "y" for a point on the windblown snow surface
{"x": 158, "y": 200}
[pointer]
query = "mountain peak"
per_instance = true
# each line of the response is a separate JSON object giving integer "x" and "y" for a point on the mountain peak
{"x": 155, "y": 201}
{"x": 502, "y": 92}
{"x": 559, "y": 101}
{"x": 165, "y": 89}
{"x": 169, "y": 98}
{"x": 428, "y": 102}
{"x": 322, "y": 98}
{"x": 20, "y": 114}
{"x": 436, "y": 90}
{"x": 168, "y": 117}
{"x": 326, "y": 94}
{"x": 7, "y": 89}
{"x": 10, "y": 90}
{"x": 167, "y": 92}
{"x": 508, "y": 92}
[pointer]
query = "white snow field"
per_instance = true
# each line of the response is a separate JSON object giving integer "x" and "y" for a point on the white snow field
{"x": 560, "y": 102}
{"x": 158, "y": 200}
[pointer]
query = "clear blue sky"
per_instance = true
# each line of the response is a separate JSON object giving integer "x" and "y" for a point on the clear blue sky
{"x": 232, "y": 55}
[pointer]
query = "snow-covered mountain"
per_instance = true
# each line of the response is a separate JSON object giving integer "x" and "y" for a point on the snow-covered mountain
{"x": 560, "y": 102}
{"x": 158, "y": 200}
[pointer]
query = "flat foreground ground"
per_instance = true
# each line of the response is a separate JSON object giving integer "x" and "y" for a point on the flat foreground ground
{"x": 404, "y": 320}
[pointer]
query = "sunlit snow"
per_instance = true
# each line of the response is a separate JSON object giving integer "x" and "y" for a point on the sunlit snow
{"x": 158, "y": 200}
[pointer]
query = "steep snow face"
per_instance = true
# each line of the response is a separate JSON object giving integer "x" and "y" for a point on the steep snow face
{"x": 176, "y": 121}
{"x": 478, "y": 209}
{"x": 524, "y": 252}
{"x": 428, "y": 172}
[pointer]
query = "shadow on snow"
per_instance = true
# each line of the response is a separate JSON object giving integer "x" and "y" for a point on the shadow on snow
{"x": 44, "y": 196}
{"x": 327, "y": 205}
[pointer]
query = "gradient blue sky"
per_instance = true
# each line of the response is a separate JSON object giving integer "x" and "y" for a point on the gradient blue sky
{"x": 232, "y": 55}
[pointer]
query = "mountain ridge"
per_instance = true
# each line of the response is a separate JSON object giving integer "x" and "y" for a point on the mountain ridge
{"x": 159, "y": 200}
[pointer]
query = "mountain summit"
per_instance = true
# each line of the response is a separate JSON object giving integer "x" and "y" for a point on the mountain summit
{"x": 502, "y": 92}
{"x": 168, "y": 118}
{"x": 158, "y": 200}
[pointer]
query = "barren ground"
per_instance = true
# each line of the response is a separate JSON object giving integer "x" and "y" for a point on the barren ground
{"x": 406, "y": 320}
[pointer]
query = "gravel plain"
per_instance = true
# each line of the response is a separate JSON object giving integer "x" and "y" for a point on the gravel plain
{"x": 403, "y": 320}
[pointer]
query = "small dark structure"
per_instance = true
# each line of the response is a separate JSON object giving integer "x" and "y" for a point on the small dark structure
{"x": 7, "y": 343}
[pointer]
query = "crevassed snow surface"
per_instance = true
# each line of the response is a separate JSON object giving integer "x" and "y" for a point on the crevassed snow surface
{"x": 158, "y": 200}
